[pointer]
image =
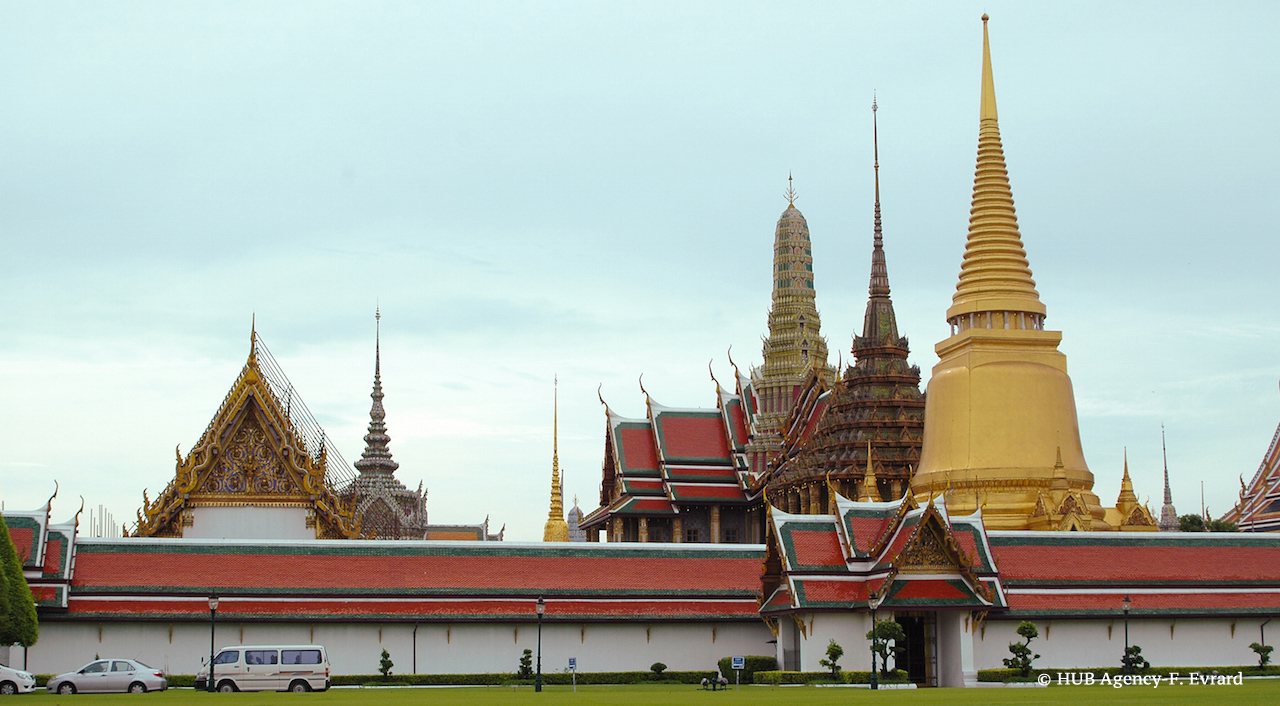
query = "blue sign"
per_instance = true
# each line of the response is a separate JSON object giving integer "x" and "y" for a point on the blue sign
{"x": 573, "y": 663}
{"x": 739, "y": 662}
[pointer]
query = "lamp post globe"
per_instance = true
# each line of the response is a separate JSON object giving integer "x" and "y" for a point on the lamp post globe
{"x": 213, "y": 621}
{"x": 542, "y": 608}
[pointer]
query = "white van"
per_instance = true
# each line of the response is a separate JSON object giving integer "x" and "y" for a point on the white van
{"x": 268, "y": 668}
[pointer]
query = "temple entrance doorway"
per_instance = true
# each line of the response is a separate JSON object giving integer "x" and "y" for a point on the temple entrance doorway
{"x": 919, "y": 656}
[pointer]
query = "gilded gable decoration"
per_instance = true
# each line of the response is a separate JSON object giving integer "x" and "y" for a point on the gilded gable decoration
{"x": 262, "y": 449}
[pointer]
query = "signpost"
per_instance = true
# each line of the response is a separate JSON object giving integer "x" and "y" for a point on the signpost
{"x": 573, "y": 668}
{"x": 739, "y": 664}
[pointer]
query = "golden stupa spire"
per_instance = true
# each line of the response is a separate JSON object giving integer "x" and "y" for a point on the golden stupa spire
{"x": 995, "y": 275}
{"x": 556, "y": 529}
{"x": 1127, "y": 496}
{"x": 870, "y": 486}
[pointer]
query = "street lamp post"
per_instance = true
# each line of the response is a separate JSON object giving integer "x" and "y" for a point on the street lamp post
{"x": 542, "y": 608}
{"x": 213, "y": 621}
{"x": 875, "y": 641}
{"x": 1126, "y": 603}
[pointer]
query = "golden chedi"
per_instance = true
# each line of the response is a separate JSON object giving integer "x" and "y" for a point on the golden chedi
{"x": 556, "y": 529}
{"x": 1000, "y": 428}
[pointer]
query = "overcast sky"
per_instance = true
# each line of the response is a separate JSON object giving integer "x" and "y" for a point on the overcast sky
{"x": 591, "y": 189}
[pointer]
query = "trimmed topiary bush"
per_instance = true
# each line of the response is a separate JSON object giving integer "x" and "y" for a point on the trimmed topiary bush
{"x": 754, "y": 663}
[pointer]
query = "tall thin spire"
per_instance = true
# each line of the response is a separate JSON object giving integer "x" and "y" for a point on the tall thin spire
{"x": 879, "y": 324}
{"x": 376, "y": 456}
{"x": 879, "y": 271}
{"x": 790, "y": 193}
{"x": 556, "y": 529}
{"x": 1168, "y": 515}
{"x": 995, "y": 274}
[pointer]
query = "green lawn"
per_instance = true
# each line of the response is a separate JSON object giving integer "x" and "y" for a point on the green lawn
{"x": 1265, "y": 691}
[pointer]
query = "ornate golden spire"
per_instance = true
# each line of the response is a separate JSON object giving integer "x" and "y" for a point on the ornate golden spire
{"x": 790, "y": 193}
{"x": 995, "y": 275}
{"x": 1127, "y": 496}
{"x": 870, "y": 486}
{"x": 556, "y": 529}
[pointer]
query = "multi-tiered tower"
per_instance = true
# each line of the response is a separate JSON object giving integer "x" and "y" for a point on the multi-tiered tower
{"x": 1000, "y": 428}
{"x": 386, "y": 509}
{"x": 794, "y": 347}
{"x": 875, "y": 411}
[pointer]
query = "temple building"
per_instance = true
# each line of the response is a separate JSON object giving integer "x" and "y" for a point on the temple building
{"x": 384, "y": 507}
{"x": 675, "y": 475}
{"x": 1000, "y": 429}
{"x": 862, "y": 435}
{"x": 263, "y": 469}
{"x": 794, "y": 348}
{"x": 1259, "y": 507}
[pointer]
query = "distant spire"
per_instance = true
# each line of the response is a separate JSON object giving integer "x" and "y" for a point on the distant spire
{"x": 1168, "y": 515}
{"x": 376, "y": 456}
{"x": 790, "y": 193}
{"x": 879, "y": 271}
{"x": 253, "y": 336}
{"x": 995, "y": 274}
{"x": 1127, "y": 496}
{"x": 879, "y": 323}
{"x": 556, "y": 529}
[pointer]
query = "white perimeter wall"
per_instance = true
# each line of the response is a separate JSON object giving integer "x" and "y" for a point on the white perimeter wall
{"x": 459, "y": 648}
{"x": 1165, "y": 642}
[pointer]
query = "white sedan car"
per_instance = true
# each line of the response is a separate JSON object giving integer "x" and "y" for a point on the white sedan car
{"x": 110, "y": 675}
{"x": 13, "y": 681}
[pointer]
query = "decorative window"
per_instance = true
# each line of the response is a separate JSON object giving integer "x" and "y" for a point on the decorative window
{"x": 731, "y": 535}
{"x": 693, "y": 535}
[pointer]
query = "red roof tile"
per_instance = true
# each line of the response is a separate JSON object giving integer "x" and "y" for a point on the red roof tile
{"x": 23, "y": 541}
{"x": 327, "y": 608}
{"x": 1064, "y": 602}
{"x": 816, "y": 547}
{"x": 692, "y": 492}
{"x": 700, "y": 437}
{"x": 637, "y": 448}
{"x": 362, "y": 568}
{"x": 1133, "y": 560}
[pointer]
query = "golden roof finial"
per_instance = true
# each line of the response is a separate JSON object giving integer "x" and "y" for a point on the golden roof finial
{"x": 988, "y": 83}
{"x": 995, "y": 274}
{"x": 790, "y": 193}
{"x": 253, "y": 336}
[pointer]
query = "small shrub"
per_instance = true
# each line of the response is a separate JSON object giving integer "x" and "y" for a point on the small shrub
{"x": 754, "y": 663}
{"x": 526, "y": 665}
{"x": 1264, "y": 653}
{"x": 834, "y": 653}
{"x": 385, "y": 664}
{"x": 657, "y": 668}
{"x": 1134, "y": 660}
{"x": 1022, "y": 656}
{"x": 887, "y": 632}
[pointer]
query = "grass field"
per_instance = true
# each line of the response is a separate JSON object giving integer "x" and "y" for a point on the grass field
{"x": 1265, "y": 691}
